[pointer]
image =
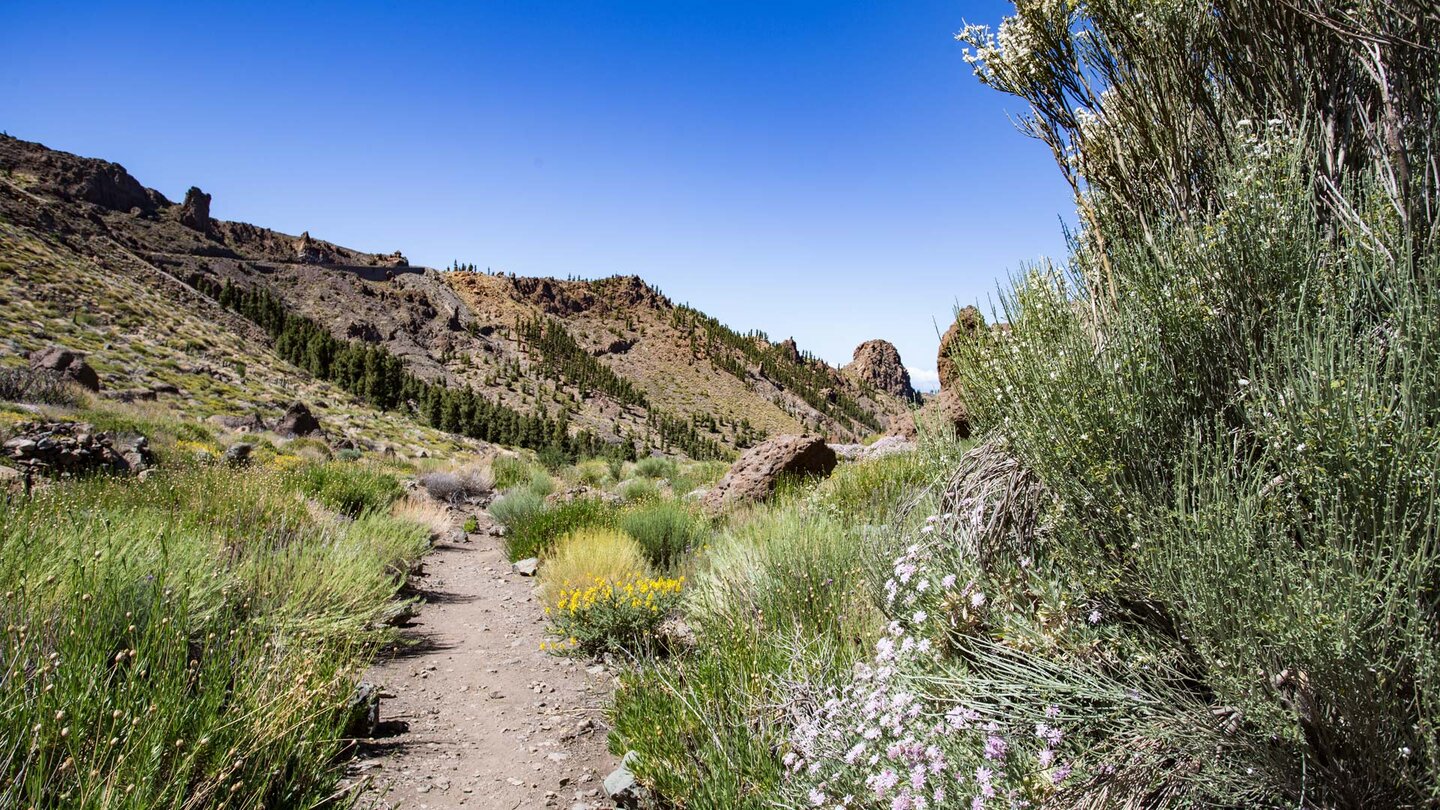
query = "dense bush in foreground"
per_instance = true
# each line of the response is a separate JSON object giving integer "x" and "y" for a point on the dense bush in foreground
{"x": 1194, "y": 562}
{"x": 191, "y": 640}
{"x": 1203, "y": 535}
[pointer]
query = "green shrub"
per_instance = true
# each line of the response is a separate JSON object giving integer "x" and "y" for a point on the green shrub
{"x": 533, "y": 535}
{"x": 656, "y": 467}
{"x": 665, "y": 530}
{"x": 349, "y": 454}
{"x": 541, "y": 483}
{"x": 509, "y": 471}
{"x": 472, "y": 525}
{"x": 795, "y": 570}
{"x": 552, "y": 458}
{"x": 229, "y": 623}
{"x": 349, "y": 489}
{"x": 696, "y": 474}
{"x": 515, "y": 506}
{"x": 592, "y": 472}
{"x": 639, "y": 490}
{"x": 615, "y": 614}
{"x": 588, "y": 554}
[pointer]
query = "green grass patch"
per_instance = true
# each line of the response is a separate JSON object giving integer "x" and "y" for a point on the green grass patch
{"x": 535, "y": 532}
{"x": 666, "y": 531}
{"x": 190, "y": 640}
{"x": 347, "y": 488}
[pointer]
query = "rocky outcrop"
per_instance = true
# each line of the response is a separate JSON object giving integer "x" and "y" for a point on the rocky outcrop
{"x": 298, "y": 421}
{"x": 67, "y": 364}
{"x": 195, "y": 211}
{"x": 65, "y": 449}
{"x": 951, "y": 411}
{"x": 756, "y": 474}
{"x": 616, "y": 346}
{"x": 967, "y": 325}
{"x": 790, "y": 350}
{"x": 887, "y": 446}
{"x": 251, "y": 423}
{"x": 396, "y": 259}
{"x": 312, "y": 251}
{"x": 902, "y": 425}
{"x": 72, "y": 177}
{"x": 948, "y": 406}
{"x": 878, "y": 363}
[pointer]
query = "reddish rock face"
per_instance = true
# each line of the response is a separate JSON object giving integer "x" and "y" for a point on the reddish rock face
{"x": 195, "y": 211}
{"x": 878, "y": 362}
{"x": 968, "y": 323}
{"x": 755, "y": 476}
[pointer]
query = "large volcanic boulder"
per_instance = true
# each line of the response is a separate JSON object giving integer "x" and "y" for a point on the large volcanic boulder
{"x": 878, "y": 363}
{"x": 195, "y": 211}
{"x": 755, "y": 476}
{"x": 968, "y": 323}
{"x": 298, "y": 421}
{"x": 65, "y": 363}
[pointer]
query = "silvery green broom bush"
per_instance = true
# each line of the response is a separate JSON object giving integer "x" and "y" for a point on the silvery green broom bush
{"x": 1228, "y": 403}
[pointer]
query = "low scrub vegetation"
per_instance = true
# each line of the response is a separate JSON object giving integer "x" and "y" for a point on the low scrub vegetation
{"x": 458, "y": 485}
{"x": 665, "y": 530}
{"x": 1191, "y": 562}
{"x": 516, "y": 506}
{"x": 589, "y": 554}
{"x": 348, "y": 489}
{"x": 613, "y": 615}
{"x": 39, "y": 387}
{"x": 190, "y": 640}
{"x": 534, "y": 533}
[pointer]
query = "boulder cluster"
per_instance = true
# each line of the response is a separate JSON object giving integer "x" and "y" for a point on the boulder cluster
{"x": 297, "y": 421}
{"x": 65, "y": 449}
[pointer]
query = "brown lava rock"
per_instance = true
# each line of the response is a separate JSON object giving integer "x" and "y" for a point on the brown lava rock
{"x": 756, "y": 474}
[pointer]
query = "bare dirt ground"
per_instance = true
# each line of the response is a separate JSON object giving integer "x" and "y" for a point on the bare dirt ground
{"x": 475, "y": 714}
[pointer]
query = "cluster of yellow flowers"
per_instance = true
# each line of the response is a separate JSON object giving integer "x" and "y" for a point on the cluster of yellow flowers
{"x": 636, "y": 592}
{"x": 199, "y": 449}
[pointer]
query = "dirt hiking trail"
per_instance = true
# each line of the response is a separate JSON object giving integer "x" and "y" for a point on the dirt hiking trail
{"x": 475, "y": 715}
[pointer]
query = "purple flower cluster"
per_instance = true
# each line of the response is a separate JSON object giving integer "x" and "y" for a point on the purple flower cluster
{"x": 886, "y": 740}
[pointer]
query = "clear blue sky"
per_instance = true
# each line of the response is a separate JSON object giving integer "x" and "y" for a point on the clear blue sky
{"x": 826, "y": 169}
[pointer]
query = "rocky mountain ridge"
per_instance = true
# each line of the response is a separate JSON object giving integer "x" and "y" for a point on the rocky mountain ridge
{"x": 613, "y": 357}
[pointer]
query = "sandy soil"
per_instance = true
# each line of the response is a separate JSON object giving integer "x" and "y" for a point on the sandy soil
{"x": 475, "y": 715}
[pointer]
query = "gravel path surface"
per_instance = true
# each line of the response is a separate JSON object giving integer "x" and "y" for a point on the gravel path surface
{"x": 476, "y": 715}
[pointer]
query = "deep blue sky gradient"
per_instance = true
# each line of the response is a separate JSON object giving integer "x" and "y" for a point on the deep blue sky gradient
{"x": 827, "y": 169}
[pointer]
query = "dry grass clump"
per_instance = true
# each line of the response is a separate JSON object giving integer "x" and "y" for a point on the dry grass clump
{"x": 424, "y": 511}
{"x": 470, "y": 482}
{"x": 588, "y": 554}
